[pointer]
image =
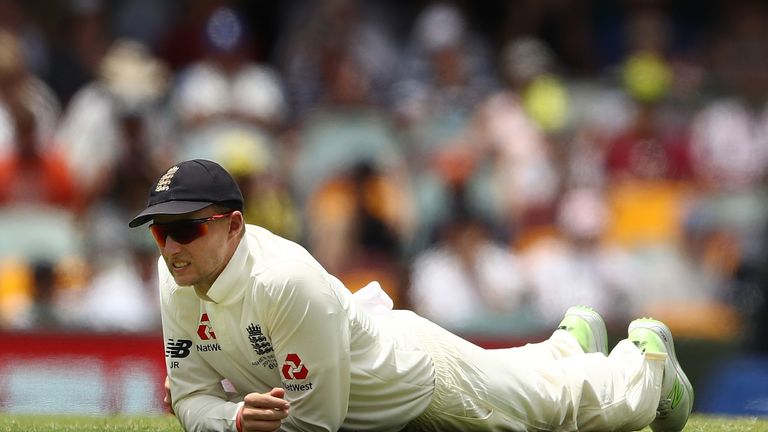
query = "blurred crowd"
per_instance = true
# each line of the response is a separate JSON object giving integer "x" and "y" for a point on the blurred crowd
{"x": 489, "y": 163}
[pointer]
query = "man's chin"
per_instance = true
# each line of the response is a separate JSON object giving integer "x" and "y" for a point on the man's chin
{"x": 184, "y": 280}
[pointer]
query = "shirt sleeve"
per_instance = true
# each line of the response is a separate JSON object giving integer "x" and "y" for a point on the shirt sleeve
{"x": 197, "y": 395}
{"x": 310, "y": 335}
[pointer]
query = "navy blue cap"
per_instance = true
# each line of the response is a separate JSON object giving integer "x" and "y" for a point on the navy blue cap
{"x": 190, "y": 186}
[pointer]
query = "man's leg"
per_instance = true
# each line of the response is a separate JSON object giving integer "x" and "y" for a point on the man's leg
{"x": 556, "y": 388}
{"x": 591, "y": 392}
{"x": 568, "y": 382}
{"x": 640, "y": 382}
{"x": 617, "y": 392}
{"x": 582, "y": 330}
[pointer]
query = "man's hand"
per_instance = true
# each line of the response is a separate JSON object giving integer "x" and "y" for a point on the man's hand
{"x": 263, "y": 412}
{"x": 167, "y": 398}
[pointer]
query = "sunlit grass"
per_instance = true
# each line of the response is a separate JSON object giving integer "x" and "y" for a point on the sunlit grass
{"x": 168, "y": 423}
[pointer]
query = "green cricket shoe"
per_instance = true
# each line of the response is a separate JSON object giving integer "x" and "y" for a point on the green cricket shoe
{"x": 588, "y": 327}
{"x": 677, "y": 393}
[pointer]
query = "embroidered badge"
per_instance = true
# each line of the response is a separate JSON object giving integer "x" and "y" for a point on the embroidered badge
{"x": 259, "y": 342}
{"x": 165, "y": 181}
{"x": 261, "y": 346}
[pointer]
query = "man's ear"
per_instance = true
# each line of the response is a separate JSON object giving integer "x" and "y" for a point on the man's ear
{"x": 236, "y": 224}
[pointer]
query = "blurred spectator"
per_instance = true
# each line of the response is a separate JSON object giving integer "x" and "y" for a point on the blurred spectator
{"x": 524, "y": 164}
{"x": 577, "y": 266}
{"x": 363, "y": 29}
{"x": 37, "y": 239}
{"x": 444, "y": 74}
{"x": 43, "y": 312}
{"x": 646, "y": 151}
{"x": 117, "y": 124}
{"x": 643, "y": 94}
{"x": 226, "y": 84}
{"x": 269, "y": 203}
{"x": 19, "y": 86}
{"x": 33, "y": 173}
{"x": 685, "y": 283}
{"x": 184, "y": 42}
{"x": 730, "y": 135}
{"x": 445, "y": 70}
{"x": 346, "y": 128}
{"x": 647, "y": 161}
{"x": 121, "y": 297}
{"x": 530, "y": 69}
{"x": 729, "y": 148}
{"x": 82, "y": 38}
{"x": 652, "y": 145}
{"x": 116, "y": 133}
{"x": 468, "y": 281}
{"x": 36, "y": 226}
{"x": 15, "y": 18}
{"x": 572, "y": 28}
{"x": 355, "y": 226}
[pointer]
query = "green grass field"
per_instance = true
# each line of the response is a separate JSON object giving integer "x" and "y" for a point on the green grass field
{"x": 37, "y": 423}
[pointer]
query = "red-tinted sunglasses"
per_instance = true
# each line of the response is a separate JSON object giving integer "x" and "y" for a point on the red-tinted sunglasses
{"x": 183, "y": 231}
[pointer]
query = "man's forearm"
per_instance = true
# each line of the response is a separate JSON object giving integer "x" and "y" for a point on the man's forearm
{"x": 206, "y": 413}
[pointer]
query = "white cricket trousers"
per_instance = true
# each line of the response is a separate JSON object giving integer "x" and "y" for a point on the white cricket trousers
{"x": 548, "y": 386}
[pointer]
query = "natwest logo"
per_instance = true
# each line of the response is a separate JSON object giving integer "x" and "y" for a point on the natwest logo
{"x": 204, "y": 330}
{"x": 293, "y": 369}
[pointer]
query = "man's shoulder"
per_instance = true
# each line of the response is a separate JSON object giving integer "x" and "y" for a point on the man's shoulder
{"x": 289, "y": 270}
{"x": 272, "y": 251}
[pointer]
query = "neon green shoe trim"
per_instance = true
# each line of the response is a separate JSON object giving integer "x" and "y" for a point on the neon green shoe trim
{"x": 647, "y": 340}
{"x": 676, "y": 395}
{"x": 587, "y": 327}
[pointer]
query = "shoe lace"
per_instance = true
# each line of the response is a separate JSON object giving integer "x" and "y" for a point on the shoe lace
{"x": 668, "y": 404}
{"x": 665, "y": 407}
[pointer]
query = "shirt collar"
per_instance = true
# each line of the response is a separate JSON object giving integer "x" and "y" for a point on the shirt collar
{"x": 229, "y": 286}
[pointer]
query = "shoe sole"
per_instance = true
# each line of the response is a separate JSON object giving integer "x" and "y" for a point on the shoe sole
{"x": 596, "y": 323}
{"x": 662, "y": 330}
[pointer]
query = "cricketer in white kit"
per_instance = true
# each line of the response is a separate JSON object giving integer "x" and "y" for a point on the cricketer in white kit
{"x": 267, "y": 316}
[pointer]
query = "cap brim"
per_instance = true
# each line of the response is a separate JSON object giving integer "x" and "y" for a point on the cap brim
{"x": 167, "y": 208}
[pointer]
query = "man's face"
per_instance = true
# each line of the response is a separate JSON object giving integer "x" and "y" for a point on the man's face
{"x": 200, "y": 261}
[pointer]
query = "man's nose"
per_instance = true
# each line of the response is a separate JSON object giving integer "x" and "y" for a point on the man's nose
{"x": 171, "y": 245}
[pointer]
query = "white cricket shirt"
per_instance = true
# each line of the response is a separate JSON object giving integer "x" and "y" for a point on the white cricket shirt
{"x": 276, "y": 318}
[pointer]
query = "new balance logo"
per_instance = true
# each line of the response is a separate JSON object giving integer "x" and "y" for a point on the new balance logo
{"x": 177, "y": 348}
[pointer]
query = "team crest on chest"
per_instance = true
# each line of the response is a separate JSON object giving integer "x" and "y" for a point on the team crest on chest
{"x": 165, "y": 181}
{"x": 261, "y": 347}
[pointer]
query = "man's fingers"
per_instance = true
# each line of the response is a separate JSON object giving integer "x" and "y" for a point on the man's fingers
{"x": 262, "y": 419}
{"x": 264, "y": 411}
{"x": 167, "y": 396}
{"x": 266, "y": 414}
{"x": 260, "y": 426}
{"x": 259, "y": 400}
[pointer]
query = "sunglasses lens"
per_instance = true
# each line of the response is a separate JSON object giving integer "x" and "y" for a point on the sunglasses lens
{"x": 159, "y": 233}
{"x": 187, "y": 232}
{"x": 181, "y": 232}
